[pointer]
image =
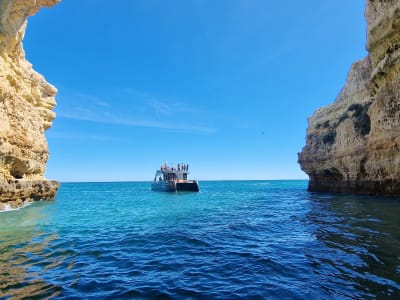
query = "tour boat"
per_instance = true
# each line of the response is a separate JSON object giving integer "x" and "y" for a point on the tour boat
{"x": 171, "y": 179}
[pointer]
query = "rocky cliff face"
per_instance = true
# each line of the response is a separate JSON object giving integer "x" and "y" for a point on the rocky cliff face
{"x": 26, "y": 103}
{"x": 353, "y": 145}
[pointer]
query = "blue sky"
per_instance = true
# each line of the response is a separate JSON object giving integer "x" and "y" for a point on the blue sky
{"x": 226, "y": 85}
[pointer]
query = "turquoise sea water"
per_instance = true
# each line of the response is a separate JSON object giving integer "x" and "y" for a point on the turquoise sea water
{"x": 233, "y": 239}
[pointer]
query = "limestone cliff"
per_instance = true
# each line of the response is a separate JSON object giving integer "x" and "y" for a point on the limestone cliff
{"x": 26, "y": 103}
{"x": 353, "y": 145}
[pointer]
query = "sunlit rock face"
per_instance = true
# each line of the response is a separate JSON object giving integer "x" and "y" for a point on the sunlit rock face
{"x": 353, "y": 145}
{"x": 26, "y": 103}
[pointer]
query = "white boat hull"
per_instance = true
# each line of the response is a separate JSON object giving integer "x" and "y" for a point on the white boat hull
{"x": 174, "y": 186}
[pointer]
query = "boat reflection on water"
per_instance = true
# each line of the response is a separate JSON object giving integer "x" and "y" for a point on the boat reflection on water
{"x": 171, "y": 179}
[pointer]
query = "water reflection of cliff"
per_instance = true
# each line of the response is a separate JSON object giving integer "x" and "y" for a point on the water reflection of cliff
{"x": 24, "y": 253}
{"x": 357, "y": 244}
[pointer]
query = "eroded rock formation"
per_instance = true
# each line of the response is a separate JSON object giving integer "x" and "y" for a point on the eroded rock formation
{"x": 26, "y": 103}
{"x": 353, "y": 145}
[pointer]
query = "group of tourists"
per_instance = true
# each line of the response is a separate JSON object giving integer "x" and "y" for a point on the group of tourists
{"x": 181, "y": 167}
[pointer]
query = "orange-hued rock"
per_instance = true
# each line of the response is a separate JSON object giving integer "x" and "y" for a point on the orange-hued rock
{"x": 353, "y": 145}
{"x": 26, "y": 103}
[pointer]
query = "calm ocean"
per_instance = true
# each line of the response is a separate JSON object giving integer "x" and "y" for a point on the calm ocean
{"x": 233, "y": 239}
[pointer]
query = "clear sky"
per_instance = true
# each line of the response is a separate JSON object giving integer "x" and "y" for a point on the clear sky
{"x": 225, "y": 85}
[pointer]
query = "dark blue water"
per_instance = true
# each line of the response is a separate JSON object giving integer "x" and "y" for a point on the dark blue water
{"x": 243, "y": 239}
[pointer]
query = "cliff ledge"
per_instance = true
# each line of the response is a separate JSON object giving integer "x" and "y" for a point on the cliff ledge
{"x": 353, "y": 145}
{"x": 26, "y": 103}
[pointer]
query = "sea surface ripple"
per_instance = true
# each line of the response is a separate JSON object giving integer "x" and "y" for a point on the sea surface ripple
{"x": 232, "y": 240}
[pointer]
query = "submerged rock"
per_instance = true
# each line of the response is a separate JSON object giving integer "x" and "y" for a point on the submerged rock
{"x": 26, "y": 103}
{"x": 353, "y": 145}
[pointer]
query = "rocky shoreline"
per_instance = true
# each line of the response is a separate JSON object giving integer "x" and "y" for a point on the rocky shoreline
{"x": 387, "y": 187}
{"x": 18, "y": 193}
{"x": 27, "y": 101}
{"x": 353, "y": 145}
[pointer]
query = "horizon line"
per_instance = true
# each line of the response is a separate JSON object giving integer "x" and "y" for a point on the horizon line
{"x": 143, "y": 181}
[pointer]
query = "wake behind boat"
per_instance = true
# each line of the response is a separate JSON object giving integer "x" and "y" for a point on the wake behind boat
{"x": 171, "y": 179}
